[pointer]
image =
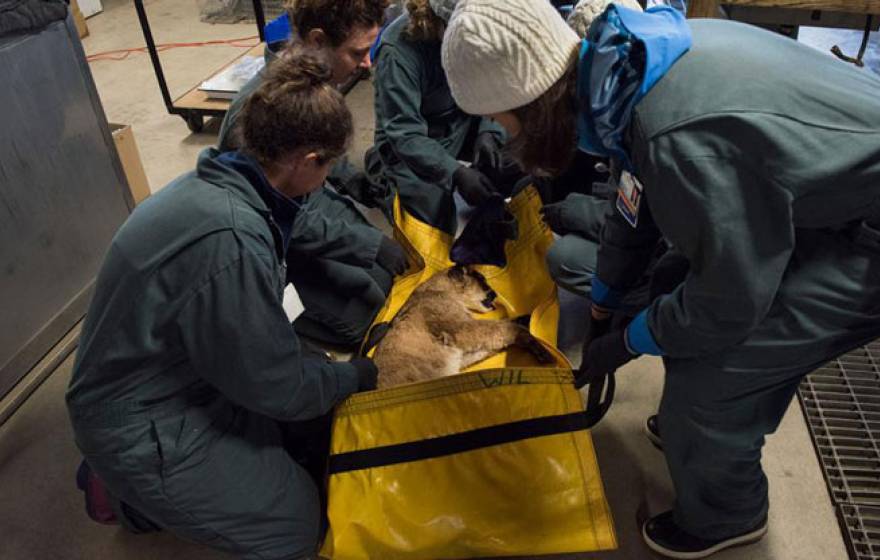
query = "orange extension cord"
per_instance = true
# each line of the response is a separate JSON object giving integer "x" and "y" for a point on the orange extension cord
{"x": 122, "y": 54}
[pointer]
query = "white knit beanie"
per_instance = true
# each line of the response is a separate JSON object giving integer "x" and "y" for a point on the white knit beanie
{"x": 586, "y": 11}
{"x": 503, "y": 54}
{"x": 443, "y": 8}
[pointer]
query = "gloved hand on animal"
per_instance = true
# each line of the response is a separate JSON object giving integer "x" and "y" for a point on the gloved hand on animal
{"x": 484, "y": 237}
{"x": 367, "y": 373}
{"x": 473, "y": 186}
{"x": 391, "y": 256}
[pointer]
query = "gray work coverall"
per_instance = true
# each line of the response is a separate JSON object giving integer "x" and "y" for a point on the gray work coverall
{"x": 421, "y": 134}
{"x": 760, "y": 158}
{"x": 338, "y": 280}
{"x": 572, "y": 258}
{"x": 188, "y": 364}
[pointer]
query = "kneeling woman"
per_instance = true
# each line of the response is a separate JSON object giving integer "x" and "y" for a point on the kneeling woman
{"x": 188, "y": 365}
{"x": 421, "y": 134}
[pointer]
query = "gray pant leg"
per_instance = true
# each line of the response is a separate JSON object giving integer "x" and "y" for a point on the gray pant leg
{"x": 221, "y": 478}
{"x": 716, "y": 411}
{"x": 571, "y": 261}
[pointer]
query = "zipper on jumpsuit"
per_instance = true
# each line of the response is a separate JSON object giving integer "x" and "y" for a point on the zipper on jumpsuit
{"x": 279, "y": 252}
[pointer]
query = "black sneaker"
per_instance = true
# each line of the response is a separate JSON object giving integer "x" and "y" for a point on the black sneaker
{"x": 652, "y": 431}
{"x": 664, "y": 537}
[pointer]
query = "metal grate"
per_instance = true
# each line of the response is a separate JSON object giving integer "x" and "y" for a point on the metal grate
{"x": 861, "y": 525}
{"x": 841, "y": 402}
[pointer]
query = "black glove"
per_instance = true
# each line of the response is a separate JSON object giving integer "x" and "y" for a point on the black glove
{"x": 487, "y": 151}
{"x": 599, "y": 325}
{"x": 554, "y": 218}
{"x": 367, "y": 372}
{"x": 352, "y": 187}
{"x": 391, "y": 256}
{"x": 602, "y": 357}
{"x": 473, "y": 186}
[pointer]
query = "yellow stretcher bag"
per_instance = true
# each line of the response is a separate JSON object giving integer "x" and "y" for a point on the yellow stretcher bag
{"x": 493, "y": 462}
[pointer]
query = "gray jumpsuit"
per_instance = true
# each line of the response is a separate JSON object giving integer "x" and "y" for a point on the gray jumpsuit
{"x": 421, "y": 134}
{"x": 760, "y": 159}
{"x": 188, "y": 365}
{"x": 340, "y": 284}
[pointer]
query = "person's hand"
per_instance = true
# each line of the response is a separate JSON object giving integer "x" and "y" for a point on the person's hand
{"x": 603, "y": 356}
{"x": 474, "y": 187}
{"x": 391, "y": 256}
{"x": 598, "y": 326}
{"x": 554, "y": 216}
{"x": 367, "y": 373}
{"x": 487, "y": 151}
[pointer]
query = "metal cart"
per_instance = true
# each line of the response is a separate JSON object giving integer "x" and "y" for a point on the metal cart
{"x": 194, "y": 105}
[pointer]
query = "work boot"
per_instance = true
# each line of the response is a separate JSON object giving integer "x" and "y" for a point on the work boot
{"x": 652, "y": 431}
{"x": 99, "y": 502}
{"x": 664, "y": 537}
{"x": 103, "y": 507}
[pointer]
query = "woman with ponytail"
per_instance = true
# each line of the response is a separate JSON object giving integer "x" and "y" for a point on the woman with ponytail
{"x": 345, "y": 265}
{"x": 189, "y": 371}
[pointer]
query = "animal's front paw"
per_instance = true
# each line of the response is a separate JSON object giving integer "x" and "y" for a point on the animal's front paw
{"x": 536, "y": 349}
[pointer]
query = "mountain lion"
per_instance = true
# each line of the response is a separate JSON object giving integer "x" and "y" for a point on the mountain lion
{"x": 435, "y": 335}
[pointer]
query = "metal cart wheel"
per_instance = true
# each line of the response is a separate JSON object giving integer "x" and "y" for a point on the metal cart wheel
{"x": 194, "y": 121}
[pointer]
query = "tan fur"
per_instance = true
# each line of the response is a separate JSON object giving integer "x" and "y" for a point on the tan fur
{"x": 435, "y": 334}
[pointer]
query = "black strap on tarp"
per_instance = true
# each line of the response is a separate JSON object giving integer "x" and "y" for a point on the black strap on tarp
{"x": 21, "y": 16}
{"x": 442, "y": 446}
{"x": 597, "y": 408}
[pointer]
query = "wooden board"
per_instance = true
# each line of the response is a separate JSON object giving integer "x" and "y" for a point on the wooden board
{"x": 79, "y": 20}
{"x": 90, "y": 7}
{"x": 196, "y": 99}
{"x": 709, "y": 8}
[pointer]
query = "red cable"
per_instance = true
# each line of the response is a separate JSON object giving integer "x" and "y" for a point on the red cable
{"x": 125, "y": 53}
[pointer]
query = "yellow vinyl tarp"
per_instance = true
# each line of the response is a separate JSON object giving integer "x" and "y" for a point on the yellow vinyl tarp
{"x": 492, "y": 462}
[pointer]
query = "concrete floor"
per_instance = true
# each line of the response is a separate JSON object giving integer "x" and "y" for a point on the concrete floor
{"x": 43, "y": 517}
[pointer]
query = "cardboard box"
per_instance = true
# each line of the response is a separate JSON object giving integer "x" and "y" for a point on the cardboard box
{"x": 79, "y": 20}
{"x": 123, "y": 137}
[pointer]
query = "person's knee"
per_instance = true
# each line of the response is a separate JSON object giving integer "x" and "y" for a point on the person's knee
{"x": 571, "y": 264}
{"x": 554, "y": 259}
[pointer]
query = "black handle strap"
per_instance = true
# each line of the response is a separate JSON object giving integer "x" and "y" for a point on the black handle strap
{"x": 597, "y": 408}
{"x": 461, "y": 442}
